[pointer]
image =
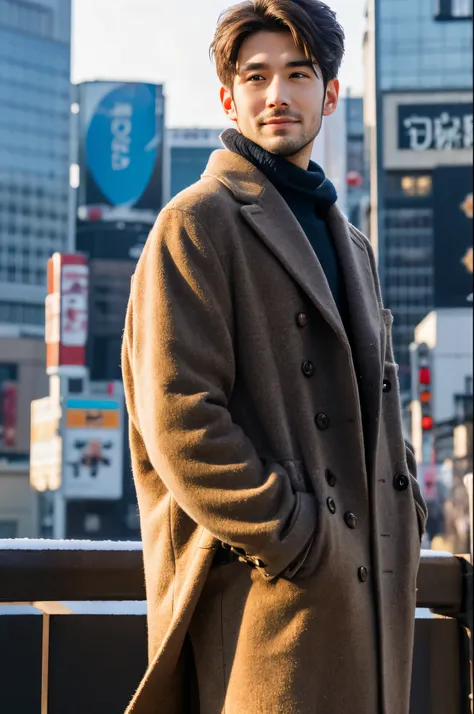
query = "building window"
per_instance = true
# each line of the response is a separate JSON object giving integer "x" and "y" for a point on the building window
{"x": 27, "y": 17}
{"x": 416, "y": 185}
{"x": 8, "y": 529}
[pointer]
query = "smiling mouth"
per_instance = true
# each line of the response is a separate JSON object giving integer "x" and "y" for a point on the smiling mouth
{"x": 280, "y": 122}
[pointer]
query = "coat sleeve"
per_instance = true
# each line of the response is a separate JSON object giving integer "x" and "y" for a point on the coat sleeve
{"x": 420, "y": 505}
{"x": 421, "y": 508}
{"x": 179, "y": 376}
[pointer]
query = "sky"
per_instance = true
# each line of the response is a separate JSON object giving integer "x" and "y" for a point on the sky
{"x": 167, "y": 41}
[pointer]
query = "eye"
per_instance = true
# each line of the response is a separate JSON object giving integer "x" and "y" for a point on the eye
{"x": 255, "y": 78}
{"x": 298, "y": 75}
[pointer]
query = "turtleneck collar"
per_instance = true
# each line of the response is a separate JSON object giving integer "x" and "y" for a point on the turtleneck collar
{"x": 310, "y": 184}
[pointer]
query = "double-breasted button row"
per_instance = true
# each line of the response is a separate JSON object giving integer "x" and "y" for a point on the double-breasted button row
{"x": 349, "y": 518}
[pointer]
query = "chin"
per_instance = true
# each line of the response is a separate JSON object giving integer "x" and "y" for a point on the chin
{"x": 283, "y": 147}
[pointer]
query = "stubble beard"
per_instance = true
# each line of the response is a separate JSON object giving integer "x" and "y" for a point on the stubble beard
{"x": 288, "y": 146}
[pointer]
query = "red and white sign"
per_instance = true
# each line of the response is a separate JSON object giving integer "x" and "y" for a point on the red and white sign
{"x": 74, "y": 293}
{"x": 66, "y": 311}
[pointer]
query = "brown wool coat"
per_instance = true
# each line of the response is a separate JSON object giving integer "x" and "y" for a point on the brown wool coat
{"x": 227, "y": 303}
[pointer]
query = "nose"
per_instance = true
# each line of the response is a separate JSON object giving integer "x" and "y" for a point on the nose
{"x": 277, "y": 95}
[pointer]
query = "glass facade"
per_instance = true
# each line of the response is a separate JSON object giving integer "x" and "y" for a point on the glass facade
{"x": 415, "y": 55}
{"x": 189, "y": 150}
{"x": 34, "y": 150}
{"x": 418, "y": 53}
{"x": 187, "y": 165}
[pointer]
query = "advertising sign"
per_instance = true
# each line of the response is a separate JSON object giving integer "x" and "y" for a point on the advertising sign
{"x": 46, "y": 445}
{"x": 452, "y": 236}
{"x": 425, "y": 127}
{"x": 428, "y": 129}
{"x": 121, "y": 127}
{"x": 93, "y": 449}
{"x": 66, "y": 310}
{"x": 74, "y": 294}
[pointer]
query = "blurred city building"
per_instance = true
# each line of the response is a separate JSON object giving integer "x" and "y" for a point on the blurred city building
{"x": 330, "y": 152}
{"x": 118, "y": 138}
{"x": 34, "y": 222}
{"x": 419, "y": 135}
{"x": 358, "y": 193}
{"x": 22, "y": 378}
{"x": 188, "y": 151}
{"x": 35, "y": 150}
{"x": 441, "y": 424}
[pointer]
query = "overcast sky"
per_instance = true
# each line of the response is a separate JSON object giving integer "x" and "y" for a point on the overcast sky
{"x": 167, "y": 41}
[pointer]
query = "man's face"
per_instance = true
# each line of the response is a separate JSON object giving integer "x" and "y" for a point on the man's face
{"x": 278, "y": 98}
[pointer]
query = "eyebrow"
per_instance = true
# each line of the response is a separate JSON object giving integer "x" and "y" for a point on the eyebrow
{"x": 253, "y": 66}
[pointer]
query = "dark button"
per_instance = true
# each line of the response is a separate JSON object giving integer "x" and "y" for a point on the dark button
{"x": 401, "y": 482}
{"x": 363, "y": 574}
{"x": 331, "y": 505}
{"x": 308, "y": 368}
{"x": 302, "y": 319}
{"x": 350, "y": 519}
{"x": 322, "y": 421}
{"x": 387, "y": 386}
{"x": 330, "y": 478}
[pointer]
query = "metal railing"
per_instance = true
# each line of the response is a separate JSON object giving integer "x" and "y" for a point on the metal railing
{"x": 63, "y": 653}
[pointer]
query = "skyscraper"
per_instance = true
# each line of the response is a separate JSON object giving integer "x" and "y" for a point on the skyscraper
{"x": 34, "y": 154}
{"x": 418, "y": 113}
{"x": 189, "y": 150}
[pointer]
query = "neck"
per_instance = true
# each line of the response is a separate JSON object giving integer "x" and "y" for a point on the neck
{"x": 302, "y": 158}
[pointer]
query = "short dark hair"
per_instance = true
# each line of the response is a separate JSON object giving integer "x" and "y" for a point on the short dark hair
{"x": 312, "y": 24}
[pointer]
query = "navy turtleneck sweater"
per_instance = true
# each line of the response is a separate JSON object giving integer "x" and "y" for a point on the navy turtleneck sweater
{"x": 309, "y": 194}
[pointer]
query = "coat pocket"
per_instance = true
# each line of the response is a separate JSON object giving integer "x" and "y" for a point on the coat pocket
{"x": 317, "y": 549}
{"x": 298, "y": 475}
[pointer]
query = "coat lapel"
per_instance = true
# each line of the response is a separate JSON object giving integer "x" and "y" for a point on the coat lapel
{"x": 276, "y": 225}
{"x": 272, "y": 220}
{"x": 365, "y": 324}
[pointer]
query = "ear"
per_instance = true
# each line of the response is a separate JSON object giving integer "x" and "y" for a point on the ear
{"x": 228, "y": 104}
{"x": 332, "y": 97}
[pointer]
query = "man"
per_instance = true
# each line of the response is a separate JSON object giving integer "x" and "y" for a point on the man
{"x": 281, "y": 517}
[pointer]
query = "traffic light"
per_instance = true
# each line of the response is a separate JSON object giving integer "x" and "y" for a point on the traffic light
{"x": 424, "y": 387}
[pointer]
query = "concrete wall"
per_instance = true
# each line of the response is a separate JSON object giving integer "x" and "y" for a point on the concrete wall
{"x": 18, "y": 502}
{"x": 29, "y": 355}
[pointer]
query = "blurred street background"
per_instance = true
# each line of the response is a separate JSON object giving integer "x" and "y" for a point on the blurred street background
{"x": 109, "y": 108}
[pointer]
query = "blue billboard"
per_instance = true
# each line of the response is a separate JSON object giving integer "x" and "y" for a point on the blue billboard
{"x": 121, "y": 146}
